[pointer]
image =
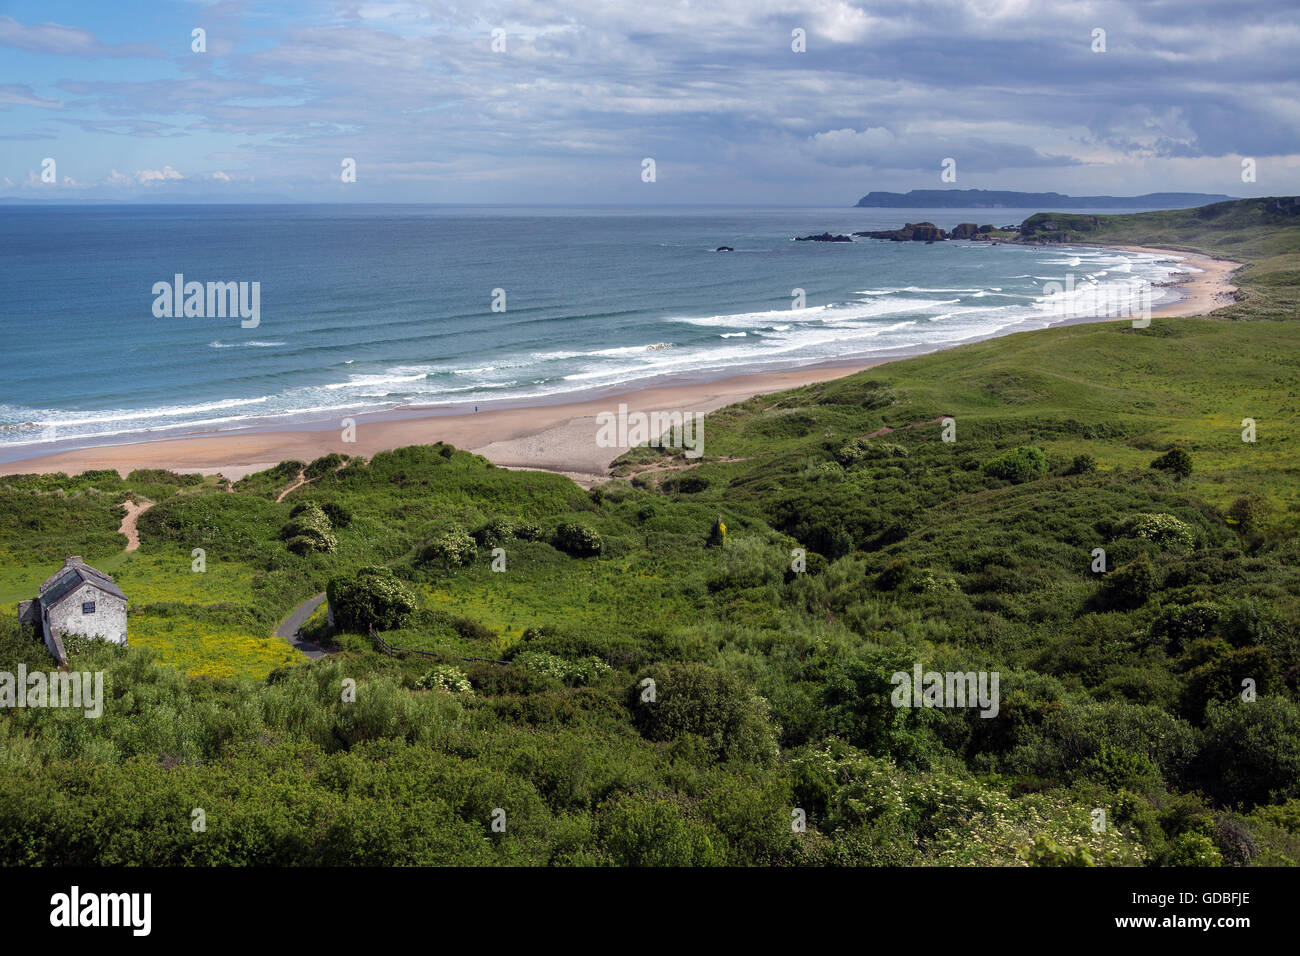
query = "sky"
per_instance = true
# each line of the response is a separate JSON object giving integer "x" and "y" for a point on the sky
{"x": 572, "y": 97}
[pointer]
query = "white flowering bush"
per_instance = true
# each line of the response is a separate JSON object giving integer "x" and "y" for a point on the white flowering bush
{"x": 445, "y": 677}
{"x": 1165, "y": 530}
{"x": 582, "y": 671}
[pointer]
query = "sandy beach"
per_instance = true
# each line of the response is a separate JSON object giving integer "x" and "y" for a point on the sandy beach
{"x": 1201, "y": 292}
{"x": 557, "y": 437}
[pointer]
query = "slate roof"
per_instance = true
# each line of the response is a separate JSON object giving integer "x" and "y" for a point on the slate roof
{"x": 70, "y": 577}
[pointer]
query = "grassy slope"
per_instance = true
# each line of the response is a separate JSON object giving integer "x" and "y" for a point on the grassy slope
{"x": 944, "y": 565}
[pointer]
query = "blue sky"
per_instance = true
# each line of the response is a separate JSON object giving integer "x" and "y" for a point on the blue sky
{"x": 1013, "y": 90}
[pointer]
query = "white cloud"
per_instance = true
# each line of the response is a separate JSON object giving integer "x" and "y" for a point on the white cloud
{"x": 146, "y": 176}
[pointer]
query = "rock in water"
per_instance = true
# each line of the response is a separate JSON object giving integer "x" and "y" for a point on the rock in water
{"x": 823, "y": 237}
{"x": 911, "y": 232}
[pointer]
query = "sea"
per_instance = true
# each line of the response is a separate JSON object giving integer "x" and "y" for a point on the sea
{"x": 366, "y": 309}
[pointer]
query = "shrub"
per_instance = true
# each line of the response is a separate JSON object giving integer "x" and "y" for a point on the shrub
{"x": 339, "y": 516}
{"x": 308, "y": 530}
{"x": 373, "y": 597}
{"x": 304, "y": 544}
{"x": 1176, "y": 461}
{"x": 450, "y": 549}
{"x": 841, "y": 544}
{"x": 692, "y": 483}
{"x": 528, "y": 531}
{"x": 1018, "y": 465}
{"x": 1252, "y": 751}
{"x": 1082, "y": 465}
{"x": 445, "y": 677}
{"x": 578, "y": 540}
{"x": 895, "y": 574}
{"x": 494, "y": 533}
{"x": 325, "y": 464}
{"x": 582, "y": 671}
{"x": 715, "y": 705}
{"x": 1179, "y": 625}
{"x": 154, "y": 476}
{"x": 1193, "y": 849}
{"x": 1165, "y": 530}
{"x": 1247, "y": 511}
{"x": 857, "y": 450}
{"x": 1130, "y": 585}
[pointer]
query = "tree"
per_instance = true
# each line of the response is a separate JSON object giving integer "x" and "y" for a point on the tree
{"x": 374, "y": 597}
{"x": 1176, "y": 461}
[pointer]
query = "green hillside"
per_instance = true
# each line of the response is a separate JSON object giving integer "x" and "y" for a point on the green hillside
{"x": 1120, "y": 691}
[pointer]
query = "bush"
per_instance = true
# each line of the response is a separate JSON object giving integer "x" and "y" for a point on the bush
{"x": 305, "y": 519}
{"x": 1130, "y": 585}
{"x": 445, "y": 677}
{"x": 1018, "y": 465}
{"x": 1193, "y": 849}
{"x": 717, "y": 706}
{"x": 1179, "y": 625}
{"x": 305, "y": 544}
{"x": 1082, "y": 465}
{"x": 857, "y": 450}
{"x": 157, "y": 476}
{"x": 582, "y": 671}
{"x": 1247, "y": 511}
{"x": 308, "y": 530}
{"x": 450, "y": 549}
{"x": 494, "y": 533}
{"x": 895, "y": 574}
{"x": 325, "y": 464}
{"x": 841, "y": 544}
{"x": 1252, "y": 751}
{"x": 373, "y": 597}
{"x": 1165, "y": 530}
{"x": 1175, "y": 461}
{"x": 692, "y": 483}
{"x": 527, "y": 531}
{"x": 339, "y": 516}
{"x": 578, "y": 540}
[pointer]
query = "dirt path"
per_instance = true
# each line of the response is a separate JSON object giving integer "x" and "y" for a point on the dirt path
{"x": 291, "y": 626}
{"x": 298, "y": 483}
{"x": 133, "y": 512}
{"x": 888, "y": 428}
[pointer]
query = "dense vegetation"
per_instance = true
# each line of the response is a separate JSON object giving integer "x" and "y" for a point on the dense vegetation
{"x": 639, "y": 682}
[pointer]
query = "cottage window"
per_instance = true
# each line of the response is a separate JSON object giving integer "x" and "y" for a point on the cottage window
{"x": 87, "y": 607}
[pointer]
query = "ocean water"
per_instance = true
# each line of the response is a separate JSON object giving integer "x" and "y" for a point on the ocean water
{"x": 380, "y": 308}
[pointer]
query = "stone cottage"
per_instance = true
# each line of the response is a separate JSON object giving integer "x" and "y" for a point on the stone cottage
{"x": 76, "y": 599}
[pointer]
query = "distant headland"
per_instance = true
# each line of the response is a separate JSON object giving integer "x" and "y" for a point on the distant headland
{"x": 993, "y": 198}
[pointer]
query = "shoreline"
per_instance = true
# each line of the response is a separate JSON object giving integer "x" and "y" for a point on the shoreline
{"x": 557, "y": 436}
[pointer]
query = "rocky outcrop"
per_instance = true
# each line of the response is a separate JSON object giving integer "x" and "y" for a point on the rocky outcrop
{"x": 965, "y": 230}
{"x": 724, "y": 249}
{"x": 823, "y": 237}
{"x": 911, "y": 232}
